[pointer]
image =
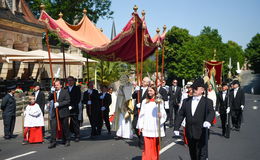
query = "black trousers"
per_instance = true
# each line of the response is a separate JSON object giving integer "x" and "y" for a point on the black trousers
{"x": 9, "y": 124}
{"x": 236, "y": 116}
{"x": 64, "y": 127}
{"x": 105, "y": 116}
{"x": 95, "y": 119}
{"x": 74, "y": 125}
{"x": 172, "y": 108}
{"x": 197, "y": 148}
{"x": 223, "y": 118}
{"x": 168, "y": 114}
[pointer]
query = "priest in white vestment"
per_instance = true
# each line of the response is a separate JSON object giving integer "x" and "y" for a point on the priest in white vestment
{"x": 124, "y": 109}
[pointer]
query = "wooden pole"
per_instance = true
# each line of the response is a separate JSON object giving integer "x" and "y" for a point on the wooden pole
{"x": 142, "y": 47}
{"x": 87, "y": 70}
{"x": 136, "y": 53}
{"x": 163, "y": 51}
{"x": 157, "y": 59}
{"x": 64, "y": 65}
{"x": 52, "y": 79}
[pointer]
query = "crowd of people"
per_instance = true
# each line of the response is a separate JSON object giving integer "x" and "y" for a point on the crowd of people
{"x": 145, "y": 110}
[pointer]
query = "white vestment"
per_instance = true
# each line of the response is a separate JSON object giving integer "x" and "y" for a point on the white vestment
{"x": 123, "y": 124}
{"x": 33, "y": 116}
{"x": 148, "y": 119}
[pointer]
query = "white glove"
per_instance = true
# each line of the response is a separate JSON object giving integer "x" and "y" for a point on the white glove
{"x": 138, "y": 105}
{"x": 70, "y": 107}
{"x": 103, "y": 108}
{"x": 228, "y": 110}
{"x": 242, "y": 107}
{"x": 206, "y": 124}
{"x": 137, "y": 88}
{"x": 56, "y": 104}
{"x": 177, "y": 133}
{"x": 217, "y": 114}
{"x": 46, "y": 107}
{"x": 52, "y": 89}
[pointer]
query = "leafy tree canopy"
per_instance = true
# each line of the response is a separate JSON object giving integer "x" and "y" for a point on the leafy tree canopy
{"x": 185, "y": 54}
{"x": 253, "y": 53}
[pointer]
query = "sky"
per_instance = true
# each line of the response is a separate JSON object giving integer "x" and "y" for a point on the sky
{"x": 235, "y": 20}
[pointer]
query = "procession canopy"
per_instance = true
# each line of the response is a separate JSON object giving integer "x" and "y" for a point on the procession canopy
{"x": 91, "y": 40}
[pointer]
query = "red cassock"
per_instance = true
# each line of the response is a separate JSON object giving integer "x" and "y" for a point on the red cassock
{"x": 151, "y": 148}
{"x": 33, "y": 134}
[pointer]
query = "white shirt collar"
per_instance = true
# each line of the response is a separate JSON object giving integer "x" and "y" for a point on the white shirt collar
{"x": 236, "y": 89}
{"x": 196, "y": 98}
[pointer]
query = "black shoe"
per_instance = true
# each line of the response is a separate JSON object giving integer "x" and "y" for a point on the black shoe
{"x": 237, "y": 129}
{"x": 52, "y": 145}
{"x": 109, "y": 132}
{"x": 67, "y": 144}
{"x": 77, "y": 139}
{"x": 13, "y": 135}
{"x": 7, "y": 137}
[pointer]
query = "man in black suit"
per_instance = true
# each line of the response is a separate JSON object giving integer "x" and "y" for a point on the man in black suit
{"x": 75, "y": 97}
{"x": 142, "y": 95}
{"x": 62, "y": 103}
{"x": 174, "y": 101}
{"x": 8, "y": 107}
{"x": 162, "y": 91}
{"x": 237, "y": 100}
{"x": 105, "y": 101}
{"x": 199, "y": 113}
{"x": 40, "y": 98}
{"x": 91, "y": 99}
{"x": 222, "y": 107}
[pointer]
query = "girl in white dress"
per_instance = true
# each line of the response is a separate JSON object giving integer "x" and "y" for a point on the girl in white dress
{"x": 148, "y": 124}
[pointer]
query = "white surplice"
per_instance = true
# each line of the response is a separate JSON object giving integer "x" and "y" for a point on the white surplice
{"x": 123, "y": 125}
{"x": 148, "y": 119}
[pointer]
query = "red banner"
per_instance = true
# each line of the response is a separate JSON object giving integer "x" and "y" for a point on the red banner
{"x": 215, "y": 68}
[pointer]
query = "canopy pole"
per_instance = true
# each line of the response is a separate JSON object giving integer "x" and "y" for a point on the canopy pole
{"x": 64, "y": 65}
{"x": 163, "y": 52}
{"x": 52, "y": 79}
{"x": 87, "y": 70}
{"x": 142, "y": 47}
{"x": 136, "y": 53}
{"x": 157, "y": 59}
{"x": 102, "y": 72}
{"x": 157, "y": 78}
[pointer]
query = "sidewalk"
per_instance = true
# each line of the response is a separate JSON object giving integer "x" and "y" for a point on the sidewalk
{"x": 19, "y": 128}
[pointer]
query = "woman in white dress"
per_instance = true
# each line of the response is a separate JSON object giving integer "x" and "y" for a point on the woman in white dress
{"x": 148, "y": 124}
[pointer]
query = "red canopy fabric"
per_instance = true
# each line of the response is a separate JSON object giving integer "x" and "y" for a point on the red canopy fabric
{"x": 88, "y": 38}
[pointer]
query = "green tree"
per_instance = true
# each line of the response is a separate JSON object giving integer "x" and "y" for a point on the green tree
{"x": 253, "y": 53}
{"x": 175, "y": 38}
{"x": 233, "y": 50}
{"x": 185, "y": 54}
{"x": 72, "y": 10}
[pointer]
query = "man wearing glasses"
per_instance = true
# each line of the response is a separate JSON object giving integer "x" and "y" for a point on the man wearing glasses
{"x": 174, "y": 101}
